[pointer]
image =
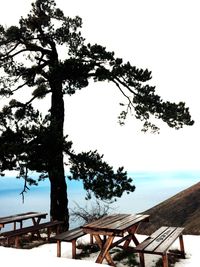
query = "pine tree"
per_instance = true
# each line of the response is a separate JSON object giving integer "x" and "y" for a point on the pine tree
{"x": 31, "y": 65}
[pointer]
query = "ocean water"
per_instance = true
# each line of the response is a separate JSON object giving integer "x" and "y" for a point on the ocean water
{"x": 151, "y": 189}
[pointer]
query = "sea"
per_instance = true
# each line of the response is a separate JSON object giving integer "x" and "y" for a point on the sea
{"x": 151, "y": 189}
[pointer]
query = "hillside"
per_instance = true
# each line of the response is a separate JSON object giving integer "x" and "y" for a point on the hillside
{"x": 183, "y": 209}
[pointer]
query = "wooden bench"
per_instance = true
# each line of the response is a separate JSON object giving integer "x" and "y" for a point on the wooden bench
{"x": 68, "y": 236}
{"x": 159, "y": 243}
{"x": 30, "y": 229}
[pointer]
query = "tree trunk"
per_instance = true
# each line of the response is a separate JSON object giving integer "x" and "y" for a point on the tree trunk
{"x": 58, "y": 197}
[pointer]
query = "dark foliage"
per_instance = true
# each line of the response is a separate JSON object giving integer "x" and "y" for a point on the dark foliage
{"x": 30, "y": 64}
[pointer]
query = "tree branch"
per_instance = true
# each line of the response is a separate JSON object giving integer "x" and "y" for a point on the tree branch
{"x": 25, "y": 188}
{"x": 127, "y": 97}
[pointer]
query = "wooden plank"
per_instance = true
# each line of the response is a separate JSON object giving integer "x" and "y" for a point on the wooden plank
{"x": 122, "y": 223}
{"x": 15, "y": 215}
{"x": 116, "y": 243}
{"x": 100, "y": 221}
{"x": 164, "y": 246}
{"x": 73, "y": 237}
{"x": 105, "y": 222}
{"x": 150, "y": 239}
{"x": 129, "y": 219}
{"x": 99, "y": 232}
{"x": 159, "y": 242}
{"x": 30, "y": 229}
{"x": 21, "y": 216}
{"x": 70, "y": 235}
{"x": 132, "y": 220}
{"x": 159, "y": 239}
{"x": 115, "y": 224}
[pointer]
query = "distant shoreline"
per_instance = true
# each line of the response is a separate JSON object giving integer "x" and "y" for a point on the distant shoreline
{"x": 151, "y": 189}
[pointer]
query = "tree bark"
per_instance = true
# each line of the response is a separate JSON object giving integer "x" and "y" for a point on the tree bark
{"x": 58, "y": 197}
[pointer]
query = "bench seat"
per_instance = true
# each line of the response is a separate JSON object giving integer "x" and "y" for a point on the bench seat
{"x": 159, "y": 243}
{"x": 30, "y": 229}
{"x": 68, "y": 236}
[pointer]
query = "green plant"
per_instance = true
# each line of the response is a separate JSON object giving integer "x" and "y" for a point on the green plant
{"x": 128, "y": 257}
{"x": 86, "y": 250}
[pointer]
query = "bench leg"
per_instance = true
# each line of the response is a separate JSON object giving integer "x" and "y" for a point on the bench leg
{"x": 48, "y": 232}
{"x": 58, "y": 248}
{"x": 165, "y": 260}
{"x": 91, "y": 240}
{"x": 17, "y": 241}
{"x": 182, "y": 246}
{"x": 74, "y": 249}
{"x": 141, "y": 256}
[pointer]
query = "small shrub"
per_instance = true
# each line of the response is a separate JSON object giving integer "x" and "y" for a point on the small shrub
{"x": 87, "y": 250}
{"x": 127, "y": 257}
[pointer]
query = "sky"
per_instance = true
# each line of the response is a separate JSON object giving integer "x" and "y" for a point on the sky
{"x": 46, "y": 255}
{"x": 162, "y": 36}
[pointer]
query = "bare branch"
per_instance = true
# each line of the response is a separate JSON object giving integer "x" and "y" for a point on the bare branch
{"x": 25, "y": 188}
{"x": 86, "y": 215}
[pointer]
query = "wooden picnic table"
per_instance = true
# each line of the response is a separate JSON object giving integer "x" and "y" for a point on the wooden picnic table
{"x": 19, "y": 218}
{"x": 105, "y": 230}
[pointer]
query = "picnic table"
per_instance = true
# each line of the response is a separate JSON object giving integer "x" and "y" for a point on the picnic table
{"x": 19, "y": 218}
{"x": 33, "y": 229}
{"x": 104, "y": 230}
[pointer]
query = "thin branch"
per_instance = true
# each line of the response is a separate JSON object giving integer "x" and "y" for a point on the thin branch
{"x": 25, "y": 188}
{"x": 34, "y": 97}
{"x": 20, "y": 86}
{"x": 13, "y": 48}
{"x": 125, "y": 85}
{"x": 7, "y": 55}
{"x": 129, "y": 101}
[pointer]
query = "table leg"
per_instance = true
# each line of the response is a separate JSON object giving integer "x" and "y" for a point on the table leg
{"x": 133, "y": 237}
{"x": 104, "y": 247}
{"x": 36, "y": 222}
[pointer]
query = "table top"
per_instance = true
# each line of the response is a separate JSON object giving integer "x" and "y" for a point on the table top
{"x": 21, "y": 217}
{"x": 115, "y": 224}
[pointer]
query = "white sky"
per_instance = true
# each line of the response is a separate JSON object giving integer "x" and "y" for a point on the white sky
{"x": 162, "y": 36}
